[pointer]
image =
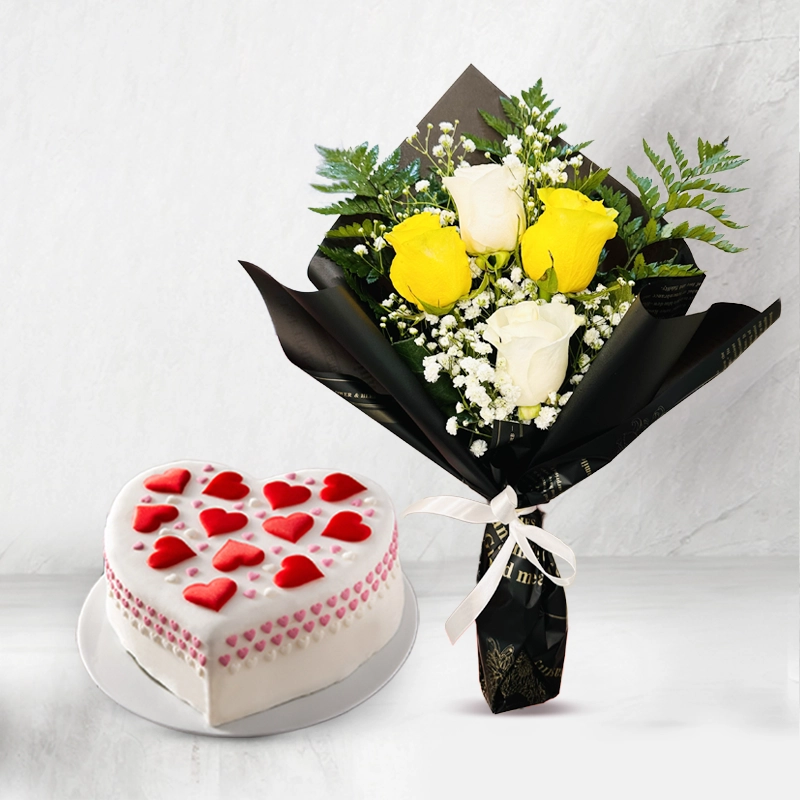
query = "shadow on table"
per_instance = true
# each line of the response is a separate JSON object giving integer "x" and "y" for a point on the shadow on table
{"x": 476, "y": 707}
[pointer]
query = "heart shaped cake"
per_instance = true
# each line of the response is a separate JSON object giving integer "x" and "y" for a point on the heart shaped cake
{"x": 239, "y": 594}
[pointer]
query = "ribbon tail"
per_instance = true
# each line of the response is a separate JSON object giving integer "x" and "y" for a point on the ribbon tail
{"x": 545, "y": 540}
{"x": 472, "y": 605}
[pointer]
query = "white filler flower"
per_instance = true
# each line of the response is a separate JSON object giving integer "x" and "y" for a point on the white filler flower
{"x": 534, "y": 341}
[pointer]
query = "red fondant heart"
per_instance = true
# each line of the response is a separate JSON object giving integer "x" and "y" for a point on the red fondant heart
{"x": 173, "y": 481}
{"x": 237, "y": 554}
{"x": 290, "y": 528}
{"x": 169, "y": 550}
{"x": 339, "y": 486}
{"x": 281, "y": 495}
{"x": 228, "y": 486}
{"x": 212, "y": 595}
{"x": 347, "y": 527}
{"x": 295, "y": 571}
{"x": 150, "y": 518}
{"x": 217, "y": 521}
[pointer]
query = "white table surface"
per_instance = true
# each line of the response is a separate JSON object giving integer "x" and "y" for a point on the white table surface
{"x": 680, "y": 680}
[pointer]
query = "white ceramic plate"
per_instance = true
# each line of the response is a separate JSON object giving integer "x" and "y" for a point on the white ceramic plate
{"x": 124, "y": 681}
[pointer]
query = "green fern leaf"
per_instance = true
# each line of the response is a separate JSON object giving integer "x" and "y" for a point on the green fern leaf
{"x": 355, "y": 205}
{"x": 590, "y": 183}
{"x": 505, "y": 129}
{"x": 348, "y": 260}
{"x": 680, "y": 159}
{"x": 354, "y": 231}
{"x": 487, "y": 145}
{"x": 663, "y": 169}
{"x": 386, "y": 170}
{"x": 703, "y": 233}
{"x": 648, "y": 193}
{"x": 513, "y": 112}
{"x": 344, "y": 187}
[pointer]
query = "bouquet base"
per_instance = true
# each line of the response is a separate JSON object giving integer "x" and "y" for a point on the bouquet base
{"x": 522, "y": 632}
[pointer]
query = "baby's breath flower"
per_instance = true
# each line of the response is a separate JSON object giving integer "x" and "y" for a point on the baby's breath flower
{"x": 446, "y": 127}
{"x": 478, "y": 448}
{"x": 468, "y": 146}
{"x": 360, "y": 250}
{"x": 546, "y": 417}
{"x": 379, "y": 243}
{"x": 422, "y": 186}
{"x": 437, "y": 151}
{"x": 452, "y": 426}
{"x": 513, "y": 143}
{"x": 593, "y": 339}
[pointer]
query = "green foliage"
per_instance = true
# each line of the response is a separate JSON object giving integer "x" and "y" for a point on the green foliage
{"x": 563, "y": 150}
{"x": 703, "y": 233}
{"x": 487, "y": 146}
{"x": 503, "y": 127}
{"x": 681, "y": 190}
{"x": 661, "y": 269}
{"x": 590, "y": 183}
{"x": 627, "y": 228}
{"x": 518, "y": 116}
{"x": 535, "y": 97}
{"x": 443, "y": 393}
{"x": 350, "y": 170}
{"x": 354, "y": 205}
{"x": 357, "y": 171}
{"x": 547, "y": 284}
{"x": 360, "y": 266}
{"x": 354, "y": 231}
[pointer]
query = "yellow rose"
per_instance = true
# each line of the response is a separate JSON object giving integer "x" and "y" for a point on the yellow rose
{"x": 431, "y": 266}
{"x": 573, "y": 229}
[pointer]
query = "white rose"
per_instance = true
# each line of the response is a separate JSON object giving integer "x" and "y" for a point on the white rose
{"x": 488, "y": 197}
{"x": 534, "y": 341}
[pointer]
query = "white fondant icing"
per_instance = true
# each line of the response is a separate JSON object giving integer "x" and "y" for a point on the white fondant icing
{"x": 222, "y": 691}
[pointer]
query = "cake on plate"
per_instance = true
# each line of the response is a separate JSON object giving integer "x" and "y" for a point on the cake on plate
{"x": 239, "y": 594}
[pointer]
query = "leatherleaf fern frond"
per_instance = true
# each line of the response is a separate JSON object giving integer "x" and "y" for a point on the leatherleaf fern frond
{"x": 358, "y": 171}
{"x": 687, "y": 187}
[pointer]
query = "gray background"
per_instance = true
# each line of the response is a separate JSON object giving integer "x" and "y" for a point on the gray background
{"x": 145, "y": 147}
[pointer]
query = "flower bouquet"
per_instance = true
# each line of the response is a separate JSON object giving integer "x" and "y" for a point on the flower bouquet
{"x": 519, "y": 317}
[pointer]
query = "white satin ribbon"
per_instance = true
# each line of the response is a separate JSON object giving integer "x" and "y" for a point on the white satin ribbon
{"x": 501, "y": 508}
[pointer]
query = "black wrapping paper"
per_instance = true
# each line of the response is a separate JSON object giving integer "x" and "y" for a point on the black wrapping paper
{"x": 656, "y": 357}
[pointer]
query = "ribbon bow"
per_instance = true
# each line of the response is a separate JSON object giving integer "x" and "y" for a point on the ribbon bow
{"x": 501, "y": 508}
